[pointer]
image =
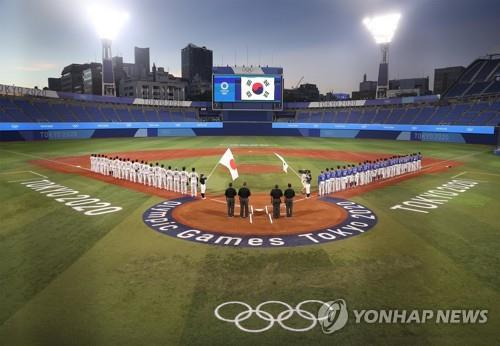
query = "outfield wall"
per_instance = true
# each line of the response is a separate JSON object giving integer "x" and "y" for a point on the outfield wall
{"x": 431, "y": 133}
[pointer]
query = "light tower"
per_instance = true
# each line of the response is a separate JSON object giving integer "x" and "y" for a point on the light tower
{"x": 107, "y": 22}
{"x": 382, "y": 29}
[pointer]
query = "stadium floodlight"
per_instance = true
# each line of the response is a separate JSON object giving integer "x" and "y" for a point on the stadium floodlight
{"x": 107, "y": 22}
{"x": 382, "y": 29}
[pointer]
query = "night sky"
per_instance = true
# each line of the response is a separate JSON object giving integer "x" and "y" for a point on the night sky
{"x": 322, "y": 40}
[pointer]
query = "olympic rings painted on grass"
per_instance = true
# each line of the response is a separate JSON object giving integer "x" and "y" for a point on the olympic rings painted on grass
{"x": 280, "y": 319}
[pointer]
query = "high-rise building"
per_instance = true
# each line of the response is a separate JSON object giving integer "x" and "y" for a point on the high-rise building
{"x": 445, "y": 77}
{"x": 72, "y": 78}
{"x": 107, "y": 74}
{"x": 367, "y": 90}
{"x": 304, "y": 93}
{"x": 54, "y": 84}
{"x": 408, "y": 87}
{"x": 92, "y": 79}
{"x": 197, "y": 61}
{"x": 141, "y": 56}
{"x": 165, "y": 88}
{"x": 367, "y": 85}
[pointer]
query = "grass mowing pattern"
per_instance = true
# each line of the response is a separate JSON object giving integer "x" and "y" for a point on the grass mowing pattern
{"x": 70, "y": 279}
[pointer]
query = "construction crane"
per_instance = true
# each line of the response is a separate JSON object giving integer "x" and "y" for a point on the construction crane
{"x": 300, "y": 80}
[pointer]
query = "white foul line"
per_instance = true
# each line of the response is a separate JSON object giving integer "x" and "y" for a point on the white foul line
{"x": 42, "y": 158}
{"x": 19, "y": 180}
{"x": 493, "y": 174}
{"x": 456, "y": 176}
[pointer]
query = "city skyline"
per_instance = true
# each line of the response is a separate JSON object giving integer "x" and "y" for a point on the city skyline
{"x": 324, "y": 41}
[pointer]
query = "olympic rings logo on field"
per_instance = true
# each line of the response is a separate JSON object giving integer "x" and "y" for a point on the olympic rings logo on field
{"x": 323, "y": 316}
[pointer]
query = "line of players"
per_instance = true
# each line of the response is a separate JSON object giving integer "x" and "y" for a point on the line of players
{"x": 334, "y": 180}
{"x": 148, "y": 174}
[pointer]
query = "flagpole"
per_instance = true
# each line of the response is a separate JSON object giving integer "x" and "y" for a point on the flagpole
{"x": 213, "y": 169}
{"x": 293, "y": 170}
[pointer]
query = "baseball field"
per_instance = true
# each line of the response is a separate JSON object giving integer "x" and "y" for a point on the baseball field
{"x": 106, "y": 273}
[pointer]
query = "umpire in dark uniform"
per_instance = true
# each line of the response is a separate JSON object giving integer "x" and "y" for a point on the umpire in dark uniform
{"x": 244, "y": 193}
{"x": 276, "y": 195}
{"x": 230, "y": 193}
{"x": 289, "y": 195}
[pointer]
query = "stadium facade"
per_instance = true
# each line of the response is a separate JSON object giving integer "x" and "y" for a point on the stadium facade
{"x": 469, "y": 112}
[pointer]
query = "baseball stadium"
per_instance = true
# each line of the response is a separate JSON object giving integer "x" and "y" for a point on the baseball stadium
{"x": 251, "y": 218}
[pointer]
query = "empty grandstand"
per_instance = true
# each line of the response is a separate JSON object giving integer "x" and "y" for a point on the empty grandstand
{"x": 471, "y": 113}
{"x": 480, "y": 79}
{"x": 39, "y": 110}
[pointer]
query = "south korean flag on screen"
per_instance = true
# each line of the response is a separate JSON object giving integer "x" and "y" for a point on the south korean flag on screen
{"x": 257, "y": 88}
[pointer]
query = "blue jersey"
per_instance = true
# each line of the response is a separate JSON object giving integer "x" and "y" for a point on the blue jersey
{"x": 321, "y": 178}
{"x": 327, "y": 175}
{"x": 338, "y": 173}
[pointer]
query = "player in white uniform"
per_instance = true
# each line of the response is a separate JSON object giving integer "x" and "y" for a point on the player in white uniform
{"x": 303, "y": 180}
{"x": 121, "y": 168}
{"x": 139, "y": 168}
{"x": 97, "y": 164}
{"x": 116, "y": 168}
{"x": 145, "y": 172}
{"x": 308, "y": 185}
{"x": 193, "y": 179}
{"x": 92, "y": 162}
{"x": 151, "y": 175}
{"x": 170, "y": 179}
{"x": 177, "y": 180}
{"x": 127, "y": 167}
{"x": 105, "y": 165}
{"x": 156, "y": 176}
{"x": 162, "y": 179}
{"x": 184, "y": 181}
{"x": 133, "y": 171}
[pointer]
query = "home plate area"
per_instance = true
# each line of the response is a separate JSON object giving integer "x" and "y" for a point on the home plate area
{"x": 211, "y": 215}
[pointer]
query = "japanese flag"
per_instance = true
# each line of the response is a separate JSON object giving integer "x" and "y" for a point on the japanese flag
{"x": 257, "y": 88}
{"x": 285, "y": 165}
{"x": 228, "y": 160}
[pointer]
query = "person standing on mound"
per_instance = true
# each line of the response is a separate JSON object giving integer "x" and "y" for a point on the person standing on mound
{"x": 230, "y": 194}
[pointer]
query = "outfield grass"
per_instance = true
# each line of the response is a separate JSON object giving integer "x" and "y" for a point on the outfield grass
{"x": 67, "y": 278}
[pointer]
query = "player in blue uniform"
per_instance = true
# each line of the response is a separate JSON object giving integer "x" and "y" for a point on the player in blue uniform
{"x": 327, "y": 181}
{"x": 321, "y": 183}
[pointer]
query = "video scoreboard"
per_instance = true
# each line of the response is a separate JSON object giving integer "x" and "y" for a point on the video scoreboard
{"x": 247, "y": 88}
